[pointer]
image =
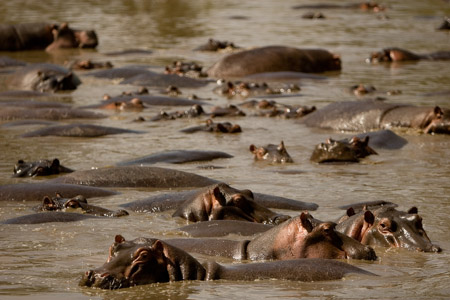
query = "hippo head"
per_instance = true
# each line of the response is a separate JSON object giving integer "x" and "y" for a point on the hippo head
{"x": 63, "y": 37}
{"x": 43, "y": 167}
{"x": 389, "y": 227}
{"x": 225, "y": 127}
{"x": 77, "y": 204}
{"x": 392, "y": 55}
{"x": 305, "y": 237}
{"x": 51, "y": 82}
{"x": 222, "y": 202}
{"x": 271, "y": 153}
{"x": 142, "y": 261}
{"x": 342, "y": 151}
{"x": 438, "y": 121}
{"x": 86, "y": 38}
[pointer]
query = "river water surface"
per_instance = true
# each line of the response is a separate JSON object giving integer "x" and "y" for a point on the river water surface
{"x": 46, "y": 261}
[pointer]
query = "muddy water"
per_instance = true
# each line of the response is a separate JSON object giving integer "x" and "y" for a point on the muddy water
{"x": 46, "y": 261}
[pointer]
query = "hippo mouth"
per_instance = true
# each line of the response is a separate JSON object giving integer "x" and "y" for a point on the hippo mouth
{"x": 103, "y": 281}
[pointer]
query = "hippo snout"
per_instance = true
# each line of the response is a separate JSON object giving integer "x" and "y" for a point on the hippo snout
{"x": 435, "y": 248}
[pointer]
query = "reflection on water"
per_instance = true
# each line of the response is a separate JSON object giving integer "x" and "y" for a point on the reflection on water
{"x": 46, "y": 261}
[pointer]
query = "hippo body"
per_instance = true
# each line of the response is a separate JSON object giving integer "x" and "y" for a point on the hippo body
{"x": 271, "y": 153}
{"x": 373, "y": 115}
{"x": 295, "y": 238}
{"x": 135, "y": 176}
{"x": 386, "y": 226}
{"x": 44, "y": 77}
{"x": 168, "y": 201}
{"x": 36, "y": 191}
{"x": 145, "y": 260}
{"x": 49, "y": 217}
{"x": 274, "y": 59}
{"x": 383, "y": 139}
{"x": 177, "y": 157}
{"x": 143, "y": 77}
{"x": 222, "y": 202}
{"x": 41, "y": 167}
{"x": 46, "y": 113}
{"x": 78, "y": 130}
{"x": 218, "y": 228}
{"x": 39, "y": 36}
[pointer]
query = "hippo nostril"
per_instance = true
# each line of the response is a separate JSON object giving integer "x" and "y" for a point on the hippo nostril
{"x": 436, "y": 248}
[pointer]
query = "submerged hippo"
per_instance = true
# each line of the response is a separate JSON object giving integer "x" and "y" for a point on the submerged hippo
{"x": 222, "y": 202}
{"x": 295, "y": 238}
{"x": 177, "y": 157}
{"x": 216, "y": 45}
{"x": 194, "y": 111}
{"x": 29, "y": 36}
{"x": 274, "y": 59}
{"x": 374, "y": 114}
{"x": 36, "y": 191}
{"x": 146, "y": 260}
{"x": 43, "y": 77}
{"x": 49, "y": 217}
{"x": 365, "y": 6}
{"x": 46, "y": 113}
{"x": 43, "y": 167}
{"x": 135, "y": 176}
{"x": 168, "y": 201}
{"x": 210, "y": 126}
{"x": 342, "y": 151}
{"x": 78, "y": 130}
{"x": 271, "y": 153}
{"x": 388, "y": 227}
{"x": 145, "y": 100}
{"x": 6, "y": 62}
{"x": 75, "y": 204}
{"x": 254, "y": 89}
{"x": 398, "y": 54}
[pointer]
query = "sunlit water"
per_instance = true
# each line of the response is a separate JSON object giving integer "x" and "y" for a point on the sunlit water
{"x": 46, "y": 261}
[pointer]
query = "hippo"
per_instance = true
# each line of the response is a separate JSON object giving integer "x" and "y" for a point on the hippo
{"x": 59, "y": 209}
{"x": 210, "y": 126}
{"x": 26, "y": 192}
{"x": 386, "y": 226}
{"x": 222, "y": 202}
{"x": 78, "y": 130}
{"x": 398, "y": 54}
{"x": 229, "y": 111}
{"x": 194, "y": 111}
{"x": 43, "y": 77}
{"x": 135, "y": 176}
{"x": 145, "y": 101}
{"x": 342, "y": 151}
{"x": 274, "y": 59}
{"x": 29, "y": 36}
{"x": 147, "y": 260}
{"x": 270, "y": 108}
{"x": 216, "y": 45}
{"x": 374, "y": 115}
{"x": 88, "y": 64}
{"x": 190, "y": 69}
{"x": 143, "y": 77}
{"x": 46, "y": 113}
{"x": 296, "y": 238}
{"x": 177, "y": 157}
{"x": 364, "y": 6}
{"x": 134, "y": 104}
{"x": 271, "y": 153}
{"x": 79, "y": 202}
{"x": 245, "y": 89}
{"x": 42, "y": 167}
{"x": 168, "y": 201}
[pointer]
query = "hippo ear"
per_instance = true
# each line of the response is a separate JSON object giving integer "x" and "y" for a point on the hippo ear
{"x": 413, "y": 210}
{"x": 46, "y": 201}
{"x": 306, "y": 223}
{"x": 281, "y": 146}
{"x": 55, "y": 163}
{"x": 218, "y": 198}
{"x": 369, "y": 217}
{"x": 119, "y": 239}
{"x": 438, "y": 111}
{"x": 252, "y": 148}
{"x": 350, "y": 212}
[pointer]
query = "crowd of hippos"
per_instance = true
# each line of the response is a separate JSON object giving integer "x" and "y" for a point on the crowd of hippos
{"x": 292, "y": 248}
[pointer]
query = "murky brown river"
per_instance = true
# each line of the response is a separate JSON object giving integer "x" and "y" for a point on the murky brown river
{"x": 46, "y": 261}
